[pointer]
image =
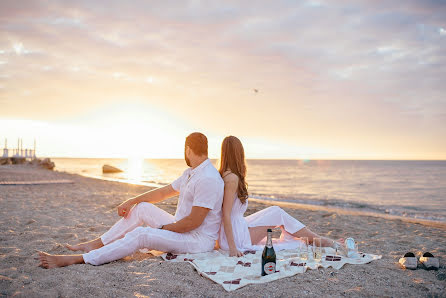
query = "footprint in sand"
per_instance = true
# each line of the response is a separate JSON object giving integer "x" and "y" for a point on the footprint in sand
{"x": 31, "y": 221}
{"x": 57, "y": 247}
{"x": 69, "y": 236}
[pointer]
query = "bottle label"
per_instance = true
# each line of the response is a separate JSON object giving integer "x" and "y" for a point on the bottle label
{"x": 269, "y": 267}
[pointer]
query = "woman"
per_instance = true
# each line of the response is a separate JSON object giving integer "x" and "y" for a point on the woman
{"x": 238, "y": 233}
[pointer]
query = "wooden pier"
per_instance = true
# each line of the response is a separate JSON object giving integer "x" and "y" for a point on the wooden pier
{"x": 17, "y": 155}
{"x": 19, "y": 152}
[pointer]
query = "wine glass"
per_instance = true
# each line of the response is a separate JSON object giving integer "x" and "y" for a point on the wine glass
{"x": 338, "y": 248}
{"x": 317, "y": 249}
{"x": 304, "y": 248}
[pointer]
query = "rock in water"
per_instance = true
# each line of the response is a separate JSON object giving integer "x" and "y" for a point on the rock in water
{"x": 47, "y": 163}
{"x": 18, "y": 160}
{"x": 5, "y": 161}
{"x": 110, "y": 169}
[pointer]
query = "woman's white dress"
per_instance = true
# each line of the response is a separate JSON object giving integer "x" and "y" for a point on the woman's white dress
{"x": 271, "y": 216}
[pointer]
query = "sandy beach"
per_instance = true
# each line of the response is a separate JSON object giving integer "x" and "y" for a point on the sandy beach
{"x": 44, "y": 217}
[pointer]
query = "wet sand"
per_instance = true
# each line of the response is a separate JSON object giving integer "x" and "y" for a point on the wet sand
{"x": 43, "y": 217}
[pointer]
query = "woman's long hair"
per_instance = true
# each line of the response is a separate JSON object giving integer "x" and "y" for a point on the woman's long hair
{"x": 233, "y": 159}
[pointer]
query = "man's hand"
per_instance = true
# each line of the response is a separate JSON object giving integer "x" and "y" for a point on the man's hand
{"x": 151, "y": 196}
{"x": 124, "y": 208}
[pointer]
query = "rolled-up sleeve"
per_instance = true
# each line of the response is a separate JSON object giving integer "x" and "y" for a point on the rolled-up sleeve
{"x": 176, "y": 185}
{"x": 206, "y": 193}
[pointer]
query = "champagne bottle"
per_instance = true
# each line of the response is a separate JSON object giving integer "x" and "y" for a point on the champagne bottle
{"x": 268, "y": 255}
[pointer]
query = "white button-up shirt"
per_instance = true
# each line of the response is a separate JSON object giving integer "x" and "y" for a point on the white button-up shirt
{"x": 202, "y": 187}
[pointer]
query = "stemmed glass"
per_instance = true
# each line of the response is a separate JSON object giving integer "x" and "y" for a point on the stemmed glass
{"x": 356, "y": 250}
{"x": 317, "y": 249}
{"x": 304, "y": 248}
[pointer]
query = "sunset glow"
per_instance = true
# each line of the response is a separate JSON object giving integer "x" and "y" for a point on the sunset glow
{"x": 305, "y": 80}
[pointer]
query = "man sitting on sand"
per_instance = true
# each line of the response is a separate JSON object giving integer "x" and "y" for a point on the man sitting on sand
{"x": 193, "y": 229}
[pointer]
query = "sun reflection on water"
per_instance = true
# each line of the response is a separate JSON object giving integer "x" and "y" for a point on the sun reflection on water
{"x": 135, "y": 169}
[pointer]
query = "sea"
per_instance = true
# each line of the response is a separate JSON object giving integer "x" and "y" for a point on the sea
{"x": 414, "y": 189}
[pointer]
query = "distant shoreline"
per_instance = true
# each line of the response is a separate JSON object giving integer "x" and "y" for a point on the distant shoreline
{"x": 275, "y": 159}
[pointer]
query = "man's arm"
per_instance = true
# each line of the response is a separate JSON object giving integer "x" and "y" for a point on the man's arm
{"x": 156, "y": 195}
{"x": 152, "y": 196}
{"x": 190, "y": 222}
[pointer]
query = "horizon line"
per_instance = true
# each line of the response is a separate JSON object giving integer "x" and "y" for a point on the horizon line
{"x": 301, "y": 159}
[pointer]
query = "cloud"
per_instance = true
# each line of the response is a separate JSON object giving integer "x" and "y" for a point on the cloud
{"x": 19, "y": 49}
{"x": 314, "y": 62}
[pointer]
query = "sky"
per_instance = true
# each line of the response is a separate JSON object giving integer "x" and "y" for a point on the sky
{"x": 334, "y": 79}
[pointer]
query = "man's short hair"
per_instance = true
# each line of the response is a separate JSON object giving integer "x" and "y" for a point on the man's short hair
{"x": 198, "y": 143}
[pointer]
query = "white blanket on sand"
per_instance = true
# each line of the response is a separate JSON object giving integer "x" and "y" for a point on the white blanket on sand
{"x": 233, "y": 273}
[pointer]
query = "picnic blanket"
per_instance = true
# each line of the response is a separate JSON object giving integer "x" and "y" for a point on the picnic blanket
{"x": 233, "y": 273}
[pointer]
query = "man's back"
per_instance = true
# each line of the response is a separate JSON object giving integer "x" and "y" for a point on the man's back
{"x": 202, "y": 187}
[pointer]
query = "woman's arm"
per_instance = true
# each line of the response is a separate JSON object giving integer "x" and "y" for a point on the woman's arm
{"x": 231, "y": 184}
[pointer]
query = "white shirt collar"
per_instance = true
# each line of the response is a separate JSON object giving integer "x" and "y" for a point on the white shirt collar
{"x": 201, "y": 166}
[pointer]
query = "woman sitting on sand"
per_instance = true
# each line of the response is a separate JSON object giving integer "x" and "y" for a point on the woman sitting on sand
{"x": 238, "y": 233}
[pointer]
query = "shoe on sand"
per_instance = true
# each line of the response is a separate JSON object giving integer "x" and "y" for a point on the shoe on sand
{"x": 429, "y": 261}
{"x": 408, "y": 261}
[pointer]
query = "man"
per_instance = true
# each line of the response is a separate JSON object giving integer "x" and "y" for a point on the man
{"x": 193, "y": 229}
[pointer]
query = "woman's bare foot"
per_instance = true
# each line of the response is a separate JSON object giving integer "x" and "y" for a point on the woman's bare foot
{"x": 53, "y": 261}
{"x": 86, "y": 246}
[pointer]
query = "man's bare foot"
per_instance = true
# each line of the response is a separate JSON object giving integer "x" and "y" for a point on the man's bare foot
{"x": 53, "y": 261}
{"x": 86, "y": 246}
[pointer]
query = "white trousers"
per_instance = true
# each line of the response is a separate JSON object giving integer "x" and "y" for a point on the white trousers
{"x": 128, "y": 235}
{"x": 274, "y": 216}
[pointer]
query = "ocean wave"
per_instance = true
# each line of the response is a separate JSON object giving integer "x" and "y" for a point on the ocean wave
{"x": 403, "y": 211}
{"x": 411, "y": 189}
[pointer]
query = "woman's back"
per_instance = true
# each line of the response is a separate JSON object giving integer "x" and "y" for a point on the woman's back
{"x": 238, "y": 208}
{"x": 240, "y": 229}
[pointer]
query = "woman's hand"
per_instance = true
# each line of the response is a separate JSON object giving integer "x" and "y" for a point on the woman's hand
{"x": 233, "y": 252}
{"x": 124, "y": 208}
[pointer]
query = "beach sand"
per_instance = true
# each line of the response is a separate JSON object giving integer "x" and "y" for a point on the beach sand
{"x": 43, "y": 217}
